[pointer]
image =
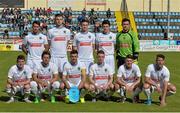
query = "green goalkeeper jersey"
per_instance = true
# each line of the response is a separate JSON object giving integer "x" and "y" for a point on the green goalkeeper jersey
{"x": 126, "y": 43}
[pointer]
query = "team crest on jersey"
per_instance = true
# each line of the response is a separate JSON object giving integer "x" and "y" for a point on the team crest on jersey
{"x": 133, "y": 71}
{"x": 64, "y": 31}
{"x": 49, "y": 69}
{"x": 40, "y": 38}
{"x": 89, "y": 37}
{"x": 105, "y": 70}
{"x": 24, "y": 72}
{"x": 78, "y": 68}
{"x": 110, "y": 37}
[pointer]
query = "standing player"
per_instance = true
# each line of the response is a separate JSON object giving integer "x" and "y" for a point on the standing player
{"x": 74, "y": 74}
{"x": 105, "y": 41}
{"x": 34, "y": 44}
{"x": 45, "y": 76}
{"x": 58, "y": 40}
{"x": 126, "y": 43}
{"x": 19, "y": 77}
{"x": 157, "y": 77}
{"x": 101, "y": 77}
{"x": 128, "y": 79}
{"x": 84, "y": 42}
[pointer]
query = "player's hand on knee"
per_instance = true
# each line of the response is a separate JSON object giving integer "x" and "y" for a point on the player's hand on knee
{"x": 131, "y": 88}
{"x": 15, "y": 84}
{"x": 159, "y": 90}
{"x": 105, "y": 87}
{"x": 127, "y": 87}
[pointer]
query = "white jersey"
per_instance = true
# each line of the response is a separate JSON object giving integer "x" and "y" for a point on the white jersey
{"x": 73, "y": 72}
{"x": 101, "y": 73}
{"x": 20, "y": 76}
{"x": 106, "y": 42}
{"x": 84, "y": 42}
{"x": 35, "y": 45}
{"x": 45, "y": 73}
{"x": 129, "y": 75}
{"x": 59, "y": 38}
{"x": 157, "y": 76}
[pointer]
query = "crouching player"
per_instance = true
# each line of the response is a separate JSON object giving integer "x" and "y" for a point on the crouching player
{"x": 45, "y": 76}
{"x": 101, "y": 77}
{"x": 19, "y": 77}
{"x": 157, "y": 78}
{"x": 74, "y": 74}
{"x": 128, "y": 79}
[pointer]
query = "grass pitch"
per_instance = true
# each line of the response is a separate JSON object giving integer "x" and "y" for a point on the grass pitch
{"x": 8, "y": 59}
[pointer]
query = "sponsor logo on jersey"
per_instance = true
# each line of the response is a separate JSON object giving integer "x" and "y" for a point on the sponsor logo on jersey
{"x": 85, "y": 44}
{"x": 105, "y": 44}
{"x": 125, "y": 45}
{"x": 35, "y": 44}
{"x": 101, "y": 77}
{"x": 59, "y": 39}
{"x": 74, "y": 76}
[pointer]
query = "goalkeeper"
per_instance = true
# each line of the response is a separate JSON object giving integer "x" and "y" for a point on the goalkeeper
{"x": 127, "y": 43}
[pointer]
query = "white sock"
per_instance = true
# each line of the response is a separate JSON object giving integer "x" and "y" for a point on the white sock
{"x": 12, "y": 98}
{"x": 147, "y": 93}
{"x": 122, "y": 92}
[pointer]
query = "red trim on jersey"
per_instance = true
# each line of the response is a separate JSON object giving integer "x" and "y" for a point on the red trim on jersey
{"x": 20, "y": 80}
{"x": 35, "y": 44}
{"x": 85, "y": 44}
{"x": 59, "y": 39}
{"x": 46, "y": 77}
{"x": 74, "y": 76}
{"x": 101, "y": 77}
{"x": 105, "y": 44}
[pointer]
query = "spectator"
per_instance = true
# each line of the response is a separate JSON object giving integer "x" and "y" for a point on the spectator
{"x": 83, "y": 12}
{"x": 66, "y": 13}
{"x": 97, "y": 12}
{"x": 91, "y": 12}
{"x": 108, "y": 13}
{"x": 49, "y": 11}
{"x": 97, "y": 27}
{"x": 6, "y": 34}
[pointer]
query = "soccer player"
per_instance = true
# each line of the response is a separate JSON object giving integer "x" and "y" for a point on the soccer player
{"x": 101, "y": 77}
{"x": 105, "y": 41}
{"x": 45, "y": 76}
{"x": 58, "y": 38}
{"x": 19, "y": 77}
{"x": 74, "y": 74}
{"x": 128, "y": 79}
{"x": 84, "y": 43}
{"x": 34, "y": 44}
{"x": 157, "y": 78}
{"x": 126, "y": 43}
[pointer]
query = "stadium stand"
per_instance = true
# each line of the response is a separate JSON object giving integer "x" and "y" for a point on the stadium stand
{"x": 153, "y": 25}
{"x": 24, "y": 18}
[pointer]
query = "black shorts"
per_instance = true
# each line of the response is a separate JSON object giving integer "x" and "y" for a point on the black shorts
{"x": 120, "y": 61}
